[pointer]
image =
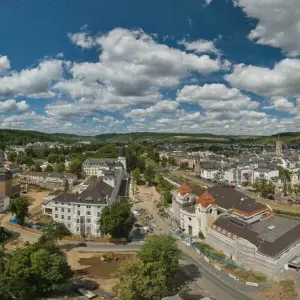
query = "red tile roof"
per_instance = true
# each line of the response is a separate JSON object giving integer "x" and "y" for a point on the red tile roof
{"x": 185, "y": 189}
{"x": 206, "y": 199}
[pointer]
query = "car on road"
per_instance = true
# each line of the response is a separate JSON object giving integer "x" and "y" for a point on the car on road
{"x": 81, "y": 245}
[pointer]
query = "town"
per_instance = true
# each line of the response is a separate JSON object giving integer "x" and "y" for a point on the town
{"x": 237, "y": 211}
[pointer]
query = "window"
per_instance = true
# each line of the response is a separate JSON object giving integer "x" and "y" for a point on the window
{"x": 77, "y": 229}
{"x": 56, "y": 216}
{"x": 78, "y": 205}
{"x": 69, "y": 218}
{"x": 69, "y": 210}
{"x": 56, "y": 202}
{"x": 56, "y": 209}
{"x": 98, "y": 231}
{"x": 78, "y": 213}
{"x": 88, "y": 206}
{"x": 88, "y": 220}
{"x": 63, "y": 217}
{"x": 98, "y": 214}
{"x": 69, "y": 225}
{"x": 190, "y": 219}
{"x": 77, "y": 221}
{"x": 69, "y": 204}
{"x": 62, "y": 210}
{"x": 88, "y": 213}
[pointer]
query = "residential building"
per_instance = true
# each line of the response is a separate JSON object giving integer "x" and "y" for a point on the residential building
{"x": 96, "y": 166}
{"x": 266, "y": 174}
{"x": 51, "y": 181}
{"x": 81, "y": 212}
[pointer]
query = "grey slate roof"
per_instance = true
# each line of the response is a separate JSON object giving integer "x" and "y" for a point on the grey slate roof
{"x": 96, "y": 193}
{"x": 229, "y": 198}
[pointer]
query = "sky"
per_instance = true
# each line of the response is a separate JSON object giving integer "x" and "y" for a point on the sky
{"x": 195, "y": 66}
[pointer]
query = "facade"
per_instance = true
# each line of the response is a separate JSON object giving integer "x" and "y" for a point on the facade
{"x": 266, "y": 245}
{"x": 8, "y": 185}
{"x": 51, "y": 181}
{"x": 208, "y": 173}
{"x": 96, "y": 166}
{"x": 266, "y": 174}
{"x": 246, "y": 231}
{"x": 81, "y": 212}
{"x": 4, "y": 203}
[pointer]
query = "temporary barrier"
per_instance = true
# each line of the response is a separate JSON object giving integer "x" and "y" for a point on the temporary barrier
{"x": 252, "y": 284}
{"x": 232, "y": 276}
{"x": 217, "y": 268}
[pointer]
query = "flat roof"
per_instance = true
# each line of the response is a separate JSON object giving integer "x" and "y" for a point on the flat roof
{"x": 269, "y": 241}
{"x": 282, "y": 226}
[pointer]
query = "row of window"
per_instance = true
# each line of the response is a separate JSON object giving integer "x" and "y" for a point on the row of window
{"x": 78, "y": 205}
{"x": 88, "y": 220}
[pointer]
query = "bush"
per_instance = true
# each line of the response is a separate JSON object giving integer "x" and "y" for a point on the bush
{"x": 287, "y": 213}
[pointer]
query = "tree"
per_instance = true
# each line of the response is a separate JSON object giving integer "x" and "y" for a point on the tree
{"x": 140, "y": 281}
{"x": 48, "y": 168}
{"x": 4, "y": 234}
{"x": 152, "y": 275}
{"x": 168, "y": 196}
{"x": 164, "y": 251}
{"x": 149, "y": 174}
{"x": 172, "y": 161}
{"x": 56, "y": 231}
{"x": 164, "y": 161}
{"x": 53, "y": 158}
{"x": 117, "y": 220}
{"x": 60, "y": 167}
{"x": 19, "y": 208}
{"x": 136, "y": 174}
{"x": 34, "y": 271}
{"x": 75, "y": 166}
{"x": 37, "y": 167}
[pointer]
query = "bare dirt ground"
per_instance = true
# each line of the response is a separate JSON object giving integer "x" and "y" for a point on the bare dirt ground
{"x": 99, "y": 272}
{"x": 37, "y": 201}
{"x": 282, "y": 290}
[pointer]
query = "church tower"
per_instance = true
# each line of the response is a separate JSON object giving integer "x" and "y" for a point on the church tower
{"x": 278, "y": 147}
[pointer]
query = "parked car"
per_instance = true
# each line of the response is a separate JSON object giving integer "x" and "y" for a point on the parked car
{"x": 81, "y": 245}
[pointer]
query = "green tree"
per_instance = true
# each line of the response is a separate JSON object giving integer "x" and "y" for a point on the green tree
{"x": 4, "y": 234}
{"x": 117, "y": 220}
{"x": 167, "y": 196}
{"x": 60, "y": 167}
{"x": 75, "y": 166}
{"x": 172, "y": 161}
{"x": 48, "y": 168}
{"x": 149, "y": 174}
{"x": 37, "y": 167}
{"x": 12, "y": 156}
{"x": 34, "y": 271}
{"x": 53, "y": 158}
{"x": 151, "y": 277}
{"x": 136, "y": 174}
{"x": 164, "y": 251}
{"x": 19, "y": 208}
{"x": 164, "y": 161}
{"x": 140, "y": 281}
{"x": 56, "y": 231}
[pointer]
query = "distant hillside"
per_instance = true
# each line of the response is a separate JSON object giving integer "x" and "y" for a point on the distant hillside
{"x": 23, "y": 137}
{"x": 166, "y": 137}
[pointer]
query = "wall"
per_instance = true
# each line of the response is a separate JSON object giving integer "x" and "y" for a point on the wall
{"x": 245, "y": 253}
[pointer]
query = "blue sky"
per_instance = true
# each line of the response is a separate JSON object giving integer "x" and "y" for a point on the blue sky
{"x": 92, "y": 67}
